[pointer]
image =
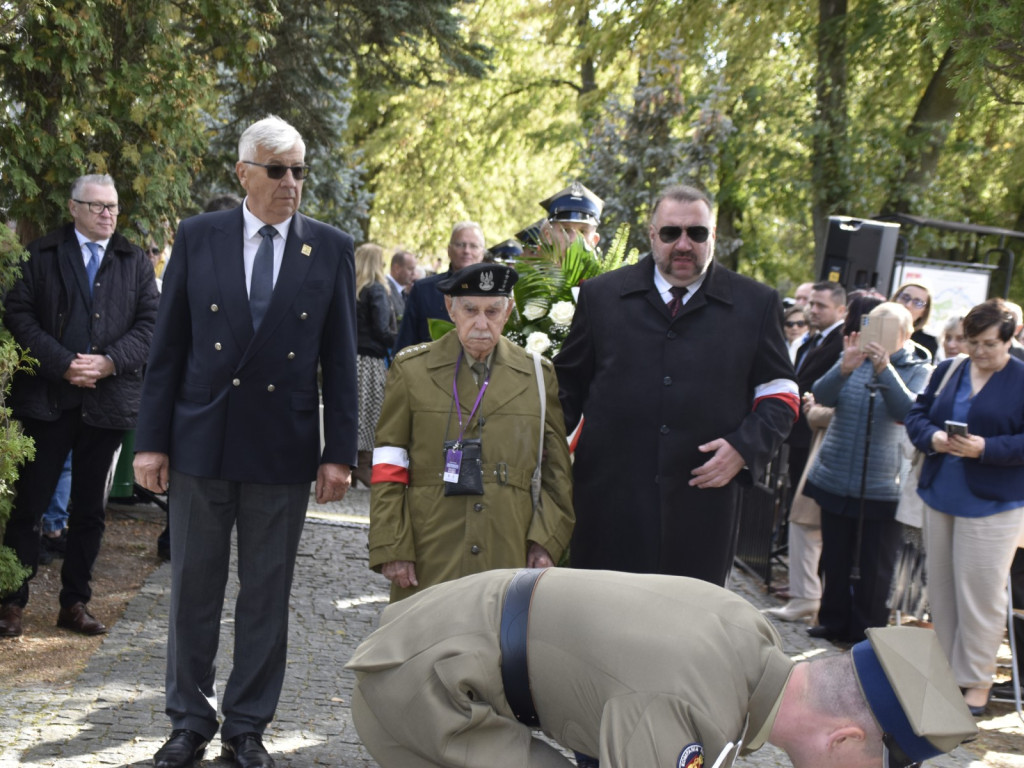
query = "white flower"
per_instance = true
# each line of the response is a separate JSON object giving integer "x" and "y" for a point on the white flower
{"x": 561, "y": 313}
{"x": 534, "y": 310}
{"x": 538, "y": 342}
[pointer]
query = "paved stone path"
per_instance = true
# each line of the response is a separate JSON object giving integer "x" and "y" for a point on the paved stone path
{"x": 112, "y": 715}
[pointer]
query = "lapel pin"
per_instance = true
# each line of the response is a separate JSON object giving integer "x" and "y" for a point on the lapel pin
{"x": 307, "y": 249}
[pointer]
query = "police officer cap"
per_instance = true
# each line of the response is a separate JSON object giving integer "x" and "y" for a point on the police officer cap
{"x": 481, "y": 279}
{"x": 530, "y": 236}
{"x": 909, "y": 686}
{"x": 509, "y": 250}
{"x": 574, "y": 203}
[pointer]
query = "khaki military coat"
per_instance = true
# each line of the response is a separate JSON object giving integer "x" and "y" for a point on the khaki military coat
{"x": 638, "y": 670}
{"x": 452, "y": 536}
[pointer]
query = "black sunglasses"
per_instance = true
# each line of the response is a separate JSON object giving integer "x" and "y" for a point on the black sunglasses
{"x": 695, "y": 234}
{"x": 275, "y": 172}
{"x": 795, "y": 323}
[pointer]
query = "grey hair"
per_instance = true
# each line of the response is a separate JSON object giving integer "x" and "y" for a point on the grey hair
{"x": 466, "y": 225}
{"x": 100, "y": 179}
{"x": 456, "y": 299}
{"x": 270, "y": 133}
{"x": 833, "y": 690}
{"x": 683, "y": 193}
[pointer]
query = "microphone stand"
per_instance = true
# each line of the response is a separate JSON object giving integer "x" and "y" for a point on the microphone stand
{"x": 873, "y": 386}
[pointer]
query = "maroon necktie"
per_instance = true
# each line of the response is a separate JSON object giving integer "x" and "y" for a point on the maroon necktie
{"x": 678, "y": 291}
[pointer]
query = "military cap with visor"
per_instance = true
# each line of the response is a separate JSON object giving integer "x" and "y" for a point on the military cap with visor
{"x": 508, "y": 250}
{"x": 906, "y": 680}
{"x": 574, "y": 203}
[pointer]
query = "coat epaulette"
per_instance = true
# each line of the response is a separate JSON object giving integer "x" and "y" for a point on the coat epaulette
{"x": 412, "y": 349}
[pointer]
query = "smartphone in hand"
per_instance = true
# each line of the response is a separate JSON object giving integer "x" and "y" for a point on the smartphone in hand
{"x": 956, "y": 428}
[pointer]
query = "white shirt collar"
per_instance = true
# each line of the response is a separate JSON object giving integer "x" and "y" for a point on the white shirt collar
{"x": 252, "y": 224}
{"x": 665, "y": 287}
{"x": 86, "y": 253}
{"x": 831, "y": 328}
{"x": 82, "y": 240}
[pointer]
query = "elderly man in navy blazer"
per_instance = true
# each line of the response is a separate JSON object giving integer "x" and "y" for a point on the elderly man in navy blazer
{"x": 255, "y": 299}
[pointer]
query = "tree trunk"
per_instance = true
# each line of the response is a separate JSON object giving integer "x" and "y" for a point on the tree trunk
{"x": 829, "y": 171}
{"x": 925, "y": 138}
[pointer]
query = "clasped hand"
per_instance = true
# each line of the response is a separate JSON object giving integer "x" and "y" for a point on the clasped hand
{"x": 85, "y": 370}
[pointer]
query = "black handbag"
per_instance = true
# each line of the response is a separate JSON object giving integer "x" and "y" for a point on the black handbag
{"x": 471, "y": 475}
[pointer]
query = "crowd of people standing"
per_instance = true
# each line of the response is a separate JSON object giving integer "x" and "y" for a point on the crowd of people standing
{"x": 277, "y": 356}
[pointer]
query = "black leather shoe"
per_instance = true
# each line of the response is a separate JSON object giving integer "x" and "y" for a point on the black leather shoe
{"x": 247, "y": 750}
{"x": 10, "y": 620}
{"x": 182, "y": 750}
{"x": 823, "y": 632}
{"x": 1003, "y": 691}
{"x": 78, "y": 619}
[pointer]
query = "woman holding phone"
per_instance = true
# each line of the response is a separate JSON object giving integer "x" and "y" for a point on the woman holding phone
{"x": 972, "y": 483}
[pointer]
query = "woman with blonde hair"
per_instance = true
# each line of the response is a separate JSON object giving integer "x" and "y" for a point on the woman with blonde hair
{"x": 918, "y": 301}
{"x": 376, "y": 327}
{"x": 855, "y": 476}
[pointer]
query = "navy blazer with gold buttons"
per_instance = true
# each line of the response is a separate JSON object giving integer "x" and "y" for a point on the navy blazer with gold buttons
{"x": 229, "y": 403}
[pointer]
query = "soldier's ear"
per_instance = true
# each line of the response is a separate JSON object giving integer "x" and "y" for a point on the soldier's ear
{"x": 449, "y": 303}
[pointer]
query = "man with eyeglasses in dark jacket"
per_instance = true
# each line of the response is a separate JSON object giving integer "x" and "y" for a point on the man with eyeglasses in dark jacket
{"x": 84, "y": 307}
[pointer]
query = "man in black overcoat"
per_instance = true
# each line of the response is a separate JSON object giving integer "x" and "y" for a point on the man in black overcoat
{"x": 680, "y": 390}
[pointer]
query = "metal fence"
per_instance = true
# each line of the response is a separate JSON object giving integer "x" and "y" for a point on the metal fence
{"x": 764, "y": 519}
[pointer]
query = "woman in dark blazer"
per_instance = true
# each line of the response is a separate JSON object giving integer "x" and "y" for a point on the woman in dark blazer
{"x": 376, "y": 327}
{"x": 973, "y": 489}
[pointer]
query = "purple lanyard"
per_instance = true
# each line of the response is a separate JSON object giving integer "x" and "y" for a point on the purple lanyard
{"x": 479, "y": 397}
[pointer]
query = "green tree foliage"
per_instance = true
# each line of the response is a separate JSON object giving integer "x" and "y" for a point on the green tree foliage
{"x": 113, "y": 87}
{"x": 835, "y": 108}
{"x": 487, "y": 149}
{"x": 15, "y": 448}
{"x": 319, "y": 48}
{"x": 988, "y": 39}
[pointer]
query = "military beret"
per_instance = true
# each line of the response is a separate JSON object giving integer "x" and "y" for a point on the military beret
{"x": 481, "y": 279}
{"x": 574, "y": 203}
{"x": 509, "y": 250}
{"x": 910, "y": 689}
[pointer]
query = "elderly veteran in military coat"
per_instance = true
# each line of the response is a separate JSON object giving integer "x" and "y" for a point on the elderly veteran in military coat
{"x": 639, "y": 670}
{"x": 458, "y": 443}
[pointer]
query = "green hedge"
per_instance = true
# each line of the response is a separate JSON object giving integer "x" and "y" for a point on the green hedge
{"x": 15, "y": 448}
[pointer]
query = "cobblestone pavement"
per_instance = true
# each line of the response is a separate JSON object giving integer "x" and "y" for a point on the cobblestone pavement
{"x": 112, "y": 715}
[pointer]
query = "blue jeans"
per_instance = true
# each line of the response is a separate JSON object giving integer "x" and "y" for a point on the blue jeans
{"x": 55, "y": 518}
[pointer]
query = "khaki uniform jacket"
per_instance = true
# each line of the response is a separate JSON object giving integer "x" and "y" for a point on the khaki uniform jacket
{"x": 638, "y": 670}
{"x": 449, "y": 537}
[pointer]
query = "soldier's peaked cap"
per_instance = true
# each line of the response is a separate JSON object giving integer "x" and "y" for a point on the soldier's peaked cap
{"x": 507, "y": 250}
{"x": 909, "y": 686}
{"x": 530, "y": 236}
{"x": 574, "y": 203}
